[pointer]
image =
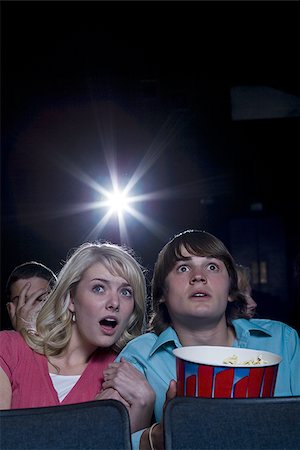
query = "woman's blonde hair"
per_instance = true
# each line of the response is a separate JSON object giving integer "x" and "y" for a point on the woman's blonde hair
{"x": 54, "y": 320}
{"x": 199, "y": 243}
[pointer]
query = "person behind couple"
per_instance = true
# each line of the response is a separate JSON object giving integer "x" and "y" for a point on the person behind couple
{"x": 25, "y": 291}
{"x": 196, "y": 301}
{"x": 96, "y": 306}
{"x": 244, "y": 285}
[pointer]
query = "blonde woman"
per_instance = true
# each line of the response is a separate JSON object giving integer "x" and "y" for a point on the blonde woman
{"x": 95, "y": 308}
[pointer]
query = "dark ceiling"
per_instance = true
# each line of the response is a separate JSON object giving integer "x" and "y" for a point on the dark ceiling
{"x": 148, "y": 85}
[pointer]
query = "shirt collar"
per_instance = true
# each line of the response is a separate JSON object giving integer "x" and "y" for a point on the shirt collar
{"x": 168, "y": 335}
{"x": 241, "y": 327}
{"x": 252, "y": 326}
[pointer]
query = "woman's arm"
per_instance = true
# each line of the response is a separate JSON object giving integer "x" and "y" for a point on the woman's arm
{"x": 133, "y": 387}
{"x": 5, "y": 391}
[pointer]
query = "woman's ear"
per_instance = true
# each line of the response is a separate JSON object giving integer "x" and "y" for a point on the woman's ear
{"x": 71, "y": 301}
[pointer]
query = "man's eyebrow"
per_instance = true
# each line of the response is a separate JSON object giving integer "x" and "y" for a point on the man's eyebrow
{"x": 183, "y": 258}
{"x": 188, "y": 258}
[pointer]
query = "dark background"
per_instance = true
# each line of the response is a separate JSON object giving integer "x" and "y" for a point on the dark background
{"x": 148, "y": 85}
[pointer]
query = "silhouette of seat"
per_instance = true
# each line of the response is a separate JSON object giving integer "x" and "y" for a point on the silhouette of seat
{"x": 102, "y": 425}
{"x": 253, "y": 423}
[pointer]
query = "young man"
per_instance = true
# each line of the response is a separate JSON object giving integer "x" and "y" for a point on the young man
{"x": 25, "y": 290}
{"x": 196, "y": 301}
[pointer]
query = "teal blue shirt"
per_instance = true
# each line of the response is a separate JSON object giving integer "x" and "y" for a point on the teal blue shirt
{"x": 153, "y": 356}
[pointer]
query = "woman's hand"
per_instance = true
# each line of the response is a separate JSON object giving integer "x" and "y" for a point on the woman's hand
{"x": 109, "y": 394}
{"x": 134, "y": 389}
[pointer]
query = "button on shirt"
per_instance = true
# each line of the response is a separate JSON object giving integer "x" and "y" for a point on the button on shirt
{"x": 153, "y": 356}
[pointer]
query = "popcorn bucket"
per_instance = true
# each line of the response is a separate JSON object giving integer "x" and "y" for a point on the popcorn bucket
{"x": 225, "y": 372}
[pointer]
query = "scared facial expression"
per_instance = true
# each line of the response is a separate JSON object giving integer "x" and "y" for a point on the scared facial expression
{"x": 36, "y": 284}
{"x": 196, "y": 288}
{"x": 102, "y": 303}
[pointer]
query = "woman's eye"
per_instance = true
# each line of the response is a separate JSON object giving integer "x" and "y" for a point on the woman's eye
{"x": 183, "y": 268}
{"x": 127, "y": 292}
{"x": 98, "y": 288}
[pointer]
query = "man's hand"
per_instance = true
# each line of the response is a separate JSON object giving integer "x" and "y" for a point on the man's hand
{"x": 157, "y": 434}
{"x": 24, "y": 309}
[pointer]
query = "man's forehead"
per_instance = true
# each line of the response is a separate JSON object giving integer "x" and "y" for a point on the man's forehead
{"x": 185, "y": 253}
{"x": 36, "y": 283}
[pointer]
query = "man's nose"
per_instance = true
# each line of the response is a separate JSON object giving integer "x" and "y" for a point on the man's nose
{"x": 198, "y": 276}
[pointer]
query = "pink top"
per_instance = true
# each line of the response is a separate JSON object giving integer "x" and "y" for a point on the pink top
{"x": 30, "y": 379}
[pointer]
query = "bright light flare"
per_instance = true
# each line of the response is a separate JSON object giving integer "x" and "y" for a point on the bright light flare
{"x": 117, "y": 201}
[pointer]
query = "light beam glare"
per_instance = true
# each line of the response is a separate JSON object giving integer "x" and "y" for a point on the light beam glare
{"x": 156, "y": 228}
{"x": 218, "y": 185}
{"x": 117, "y": 201}
{"x": 99, "y": 226}
{"x": 79, "y": 174}
{"x": 72, "y": 210}
{"x": 122, "y": 228}
{"x": 167, "y": 133}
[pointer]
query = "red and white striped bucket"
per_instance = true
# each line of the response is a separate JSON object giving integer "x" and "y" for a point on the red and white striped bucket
{"x": 202, "y": 372}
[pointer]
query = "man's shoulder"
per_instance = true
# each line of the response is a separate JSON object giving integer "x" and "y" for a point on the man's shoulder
{"x": 142, "y": 340}
{"x": 268, "y": 325}
{"x": 273, "y": 325}
{"x": 140, "y": 346}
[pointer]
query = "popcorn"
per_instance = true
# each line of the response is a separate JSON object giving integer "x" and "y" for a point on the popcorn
{"x": 233, "y": 361}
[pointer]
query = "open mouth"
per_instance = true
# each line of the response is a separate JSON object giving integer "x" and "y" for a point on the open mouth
{"x": 111, "y": 323}
{"x": 200, "y": 294}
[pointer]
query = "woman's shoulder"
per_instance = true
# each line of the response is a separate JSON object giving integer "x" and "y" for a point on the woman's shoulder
{"x": 13, "y": 347}
{"x": 11, "y": 336}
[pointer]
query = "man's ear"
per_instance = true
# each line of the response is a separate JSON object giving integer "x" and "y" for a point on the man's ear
{"x": 230, "y": 299}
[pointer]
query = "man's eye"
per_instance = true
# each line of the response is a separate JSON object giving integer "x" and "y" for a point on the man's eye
{"x": 183, "y": 268}
{"x": 14, "y": 300}
{"x": 213, "y": 267}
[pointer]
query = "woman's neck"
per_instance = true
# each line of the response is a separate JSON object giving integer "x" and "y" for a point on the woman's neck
{"x": 73, "y": 360}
